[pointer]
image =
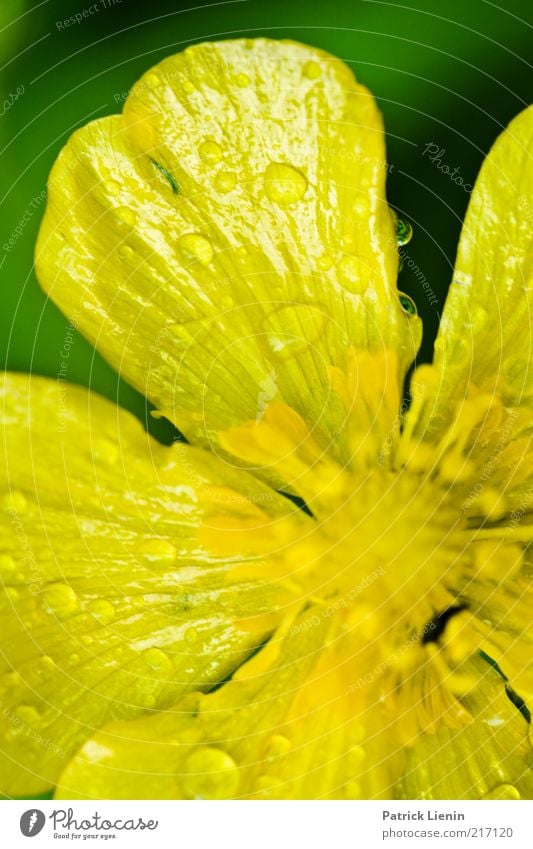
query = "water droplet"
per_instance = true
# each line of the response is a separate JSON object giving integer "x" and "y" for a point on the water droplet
{"x": 353, "y": 790}
{"x": 157, "y": 661}
{"x": 188, "y": 87}
{"x": 7, "y": 565}
{"x": 503, "y": 791}
{"x": 311, "y": 70}
{"x": 151, "y": 80}
{"x": 515, "y": 373}
{"x": 74, "y": 659}
{"x": 191, "y": 635}
{"x": 60, "y": 600}
{"x": 284, "y": 184}
{"x": 324, "y": 262}
{"x": 45, "y": 665}
{"x": 355, "y": 757}
{"x": 12, "y": 593}
{"x": 210, "y": 151}
{"x": 265, "y": 785}
{"x": 404, "y": 232}
{"x": 196, "y": 247}
{"x": 28, "y": 715}
{"x": 225, "y": 181}
{"x": 292, "y": 329}
{"x": 277, "y": 746}
{"x": 102, "y": 610}
{"x": 407, "y": 304}
{"x": 210, "y": 773}
{"x": 126, "y": 214}
{"x": 105, "y": 451}
{"x": 353, "y": 274}
{"x": 125, "y": 252}
{"x": 158, "y": 551}
{"x": 15, "y": 501}
{"x": 112, "y": 187}
{"x": 226, "y": 302}
{"x": 477, "y": 317}
{"x": 242, "y": 80}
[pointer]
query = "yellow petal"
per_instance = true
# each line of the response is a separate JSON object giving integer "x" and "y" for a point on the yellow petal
{"x": 110, "y": 604}
{"x": 227, "y": 238}
{"x": 490, "y": 757}
{"x": 289, "y": 732}
{"x": 485, "y": 334}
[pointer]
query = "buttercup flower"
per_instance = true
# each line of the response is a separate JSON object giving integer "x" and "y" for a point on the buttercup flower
{"x": 323, "y": 594}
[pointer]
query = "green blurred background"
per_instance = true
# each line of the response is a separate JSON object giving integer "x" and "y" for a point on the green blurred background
{"x": 451, "y": 75}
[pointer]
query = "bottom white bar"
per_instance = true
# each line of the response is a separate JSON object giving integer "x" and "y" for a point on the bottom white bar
{"x": 268, "y": 825}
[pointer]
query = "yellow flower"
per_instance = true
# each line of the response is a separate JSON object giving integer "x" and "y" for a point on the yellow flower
{"x": 175, "y": 624}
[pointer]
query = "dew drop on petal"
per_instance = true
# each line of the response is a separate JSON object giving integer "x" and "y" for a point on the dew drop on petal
{"x": 477, "y": 317}
{"x": 404, "y": 232}
{"x": 158, "y": 551}
{"x": 407, "y": 304}
{"x": 196, "y": 247}
{"x": 284, "y": 184}
{"x": 7, "y": 565}
{"x": 151, "y": 80}
{"x": 265, "y": 785}
{"x": 60, "y": 600}
{"x": 225, "y": 181}
{"x": 311, "y": 70}
{"x": 191, "y": 635}
{"x": 210, "y": 773}
{"x": 353, "y": 274}
{"x": 102, "y": 610}
{"x": 14, "y": 501}
{"x": 503, "y": 791}
{"x": 28, "y": 716}
{"x": 277, "y": 746}
{"x": 157, "y": 661}
{"x": 188, "y": 87}
{"x": 45, "y": 665}
{"x": 126, "y": 214}
{"x": 242, "y": 80}
{"x": 353, "y": 790}
{"x": 112, "y": 187}
{"x": 324, "y": 262}
{"x": 293, "y": 328}
{"x": 210, "y": 152}
{"x": 125, "y": 252}
{"x": 355, "y": 757}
